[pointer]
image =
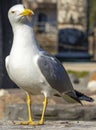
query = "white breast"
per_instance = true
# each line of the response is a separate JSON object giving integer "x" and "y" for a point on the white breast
{"x": 24, "y": 72}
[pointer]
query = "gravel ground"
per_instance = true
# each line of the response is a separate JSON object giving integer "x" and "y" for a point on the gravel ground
{"x": 53, "y": 125}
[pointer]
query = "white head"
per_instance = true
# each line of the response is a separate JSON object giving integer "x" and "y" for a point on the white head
{"x": 18, "y": 13}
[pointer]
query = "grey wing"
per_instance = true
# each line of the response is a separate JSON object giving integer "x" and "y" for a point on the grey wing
{"x": 54, "y": 73}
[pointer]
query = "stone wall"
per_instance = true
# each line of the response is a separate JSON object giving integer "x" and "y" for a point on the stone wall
{"x": 72, "y": 12}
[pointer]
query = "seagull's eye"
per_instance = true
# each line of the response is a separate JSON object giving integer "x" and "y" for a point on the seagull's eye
{"x": 12, "y": 12}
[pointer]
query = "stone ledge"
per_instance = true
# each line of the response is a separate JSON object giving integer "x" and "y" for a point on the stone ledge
{"x": 54, "y": 112}
{"x": 53, "y": 125}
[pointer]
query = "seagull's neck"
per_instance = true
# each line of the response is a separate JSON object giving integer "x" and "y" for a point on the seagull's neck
{"x": 24, "y": 39}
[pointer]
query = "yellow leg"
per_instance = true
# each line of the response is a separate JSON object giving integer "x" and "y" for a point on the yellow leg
{"x": 30, "y": 121}
{"x": 29, "y": 108}
{"x": 41, "y": 122}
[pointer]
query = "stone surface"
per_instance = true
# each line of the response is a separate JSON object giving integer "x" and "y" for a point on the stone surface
{"x": 53, "y": 125}
{"x": 54, "y": 112}
{"x": 70, "y": 11}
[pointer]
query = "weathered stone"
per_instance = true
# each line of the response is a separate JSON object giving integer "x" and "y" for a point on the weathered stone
{"x": 51, "y": 125}
{"x": 19, "y": 112}
{"x": 70, "y": 11}
{"x": 54, "y": 112}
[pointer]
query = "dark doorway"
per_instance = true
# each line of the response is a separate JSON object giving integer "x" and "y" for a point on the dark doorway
{"x": 42, "y": 19}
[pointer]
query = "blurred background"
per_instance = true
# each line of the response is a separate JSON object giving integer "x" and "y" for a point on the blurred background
{"x": 65, "y": 28}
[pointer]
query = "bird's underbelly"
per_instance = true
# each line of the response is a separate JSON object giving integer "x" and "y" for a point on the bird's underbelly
{"x": 26, "y": 77}
{"x": 30, "y": 79}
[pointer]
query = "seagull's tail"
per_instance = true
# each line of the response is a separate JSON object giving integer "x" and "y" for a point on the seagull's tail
{"x": 75, "y": 96}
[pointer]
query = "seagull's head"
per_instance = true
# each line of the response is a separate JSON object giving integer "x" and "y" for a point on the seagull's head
{"x": 18, "y": 13}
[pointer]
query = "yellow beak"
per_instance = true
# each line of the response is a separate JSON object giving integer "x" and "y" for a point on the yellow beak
{"x": 27, "y": 12}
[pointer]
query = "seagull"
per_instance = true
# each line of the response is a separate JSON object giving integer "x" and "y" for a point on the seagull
{"x": 34, "y": 69}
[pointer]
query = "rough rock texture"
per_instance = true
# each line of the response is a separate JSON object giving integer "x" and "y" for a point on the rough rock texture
{"x": 53, "y": 125}
{"x": 54, "y": 112}
{"x": 70, "y": 11}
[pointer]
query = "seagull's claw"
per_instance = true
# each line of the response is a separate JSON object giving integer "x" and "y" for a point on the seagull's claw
{"x": 41, "y": 122}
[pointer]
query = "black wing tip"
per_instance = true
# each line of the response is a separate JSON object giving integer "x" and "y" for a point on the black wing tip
{"x": 81, "y": 96}
{"x": 89, "y": 99}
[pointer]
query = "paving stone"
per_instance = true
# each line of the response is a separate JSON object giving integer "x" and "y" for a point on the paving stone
{"x": 51, "y": 125}
{"x": 54, "y": 112}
